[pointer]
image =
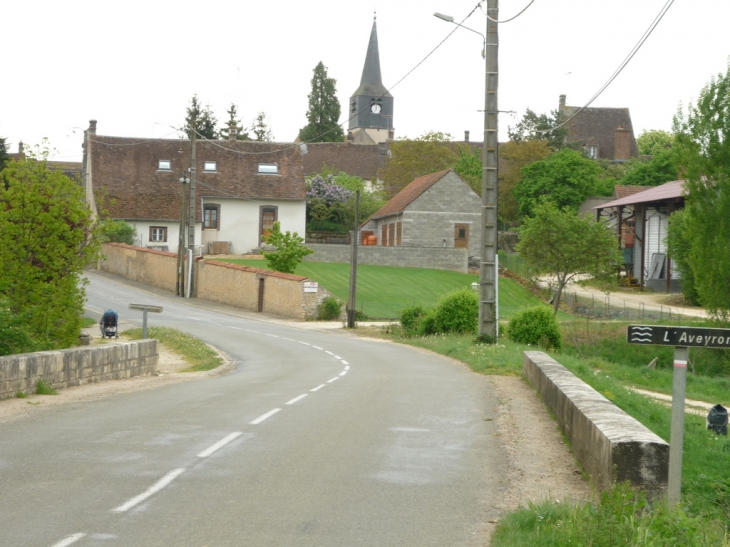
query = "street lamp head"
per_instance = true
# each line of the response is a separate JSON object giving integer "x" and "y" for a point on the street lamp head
{"x": 447, "y": 18}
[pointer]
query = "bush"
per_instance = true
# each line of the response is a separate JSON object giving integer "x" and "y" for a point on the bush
{"x": 329, "y": 309}
{"x": 14, "y": 335}
{"x": 536, "y": 326}
{"x": 289, "y": 252}
{"x": 457, "y": 312}
{"x": 118, "y": 231}
{"x": 412, "y": 318}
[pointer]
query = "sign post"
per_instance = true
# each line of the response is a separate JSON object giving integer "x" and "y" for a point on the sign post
{"x": 145, "y": 308}
{"x": 682, "y": 338}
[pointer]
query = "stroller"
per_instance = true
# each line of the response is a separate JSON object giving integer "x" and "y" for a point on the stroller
{"x": 108, "y": 324}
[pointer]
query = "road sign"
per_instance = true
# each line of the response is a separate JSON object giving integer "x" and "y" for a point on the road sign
{"x": 146, "y": 307}
{"x": 679, "y": 336}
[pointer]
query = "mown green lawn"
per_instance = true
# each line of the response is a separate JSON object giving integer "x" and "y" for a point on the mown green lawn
{"x": 382, "y": 291}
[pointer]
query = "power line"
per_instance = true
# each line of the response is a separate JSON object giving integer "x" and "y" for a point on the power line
{"x": 623, "y": 64}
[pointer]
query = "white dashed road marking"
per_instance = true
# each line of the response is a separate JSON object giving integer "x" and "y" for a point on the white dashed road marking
{"x": 70, "y": 540}
{"x": 159, "y": 485}
{"x": 318, "y": 387}
{"x": 295, "y": 399}
{"x": 220, "y": 444}
{"x": 263, "y": 417}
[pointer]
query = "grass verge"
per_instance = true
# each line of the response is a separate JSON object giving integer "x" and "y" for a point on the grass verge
{"x": 623, "y": 517}
{"x": 44, "y": 388}
{"x": 200, "y": 356}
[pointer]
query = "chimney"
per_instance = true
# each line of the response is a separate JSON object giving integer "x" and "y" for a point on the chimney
{"x": 622, "y": 144}
{"x": 561, "y": 104}
{"x": 350, "y": 137}
{"x": 466, "y": 136}
{"x": 231, "y": 132}
{"x": 92, "y": 127}
{"x": 20, "y": 149}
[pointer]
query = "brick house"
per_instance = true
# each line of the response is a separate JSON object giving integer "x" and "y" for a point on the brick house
{"x": 435, "y": 210}
{"x": 242, "y": 188}
{"x": 604, "y": 133}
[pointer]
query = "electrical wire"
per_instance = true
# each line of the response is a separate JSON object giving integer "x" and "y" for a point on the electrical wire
{"x": 623, "y": 64}
{"x": 511, "y": 18}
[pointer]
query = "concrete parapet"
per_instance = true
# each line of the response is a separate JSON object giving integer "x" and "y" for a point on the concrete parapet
{"x": 611, "y": 445}
{"x": 76, "y": 366}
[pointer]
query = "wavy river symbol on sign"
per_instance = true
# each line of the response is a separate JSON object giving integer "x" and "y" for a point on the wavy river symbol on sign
{"x": 642, "y": 335}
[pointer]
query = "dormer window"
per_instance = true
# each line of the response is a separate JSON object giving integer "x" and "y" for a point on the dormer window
{"x": 268, "y": 169}
{"x": 210, "y": 167}
{"x": 164, "y": 165}
{"x": 593, "y": 151}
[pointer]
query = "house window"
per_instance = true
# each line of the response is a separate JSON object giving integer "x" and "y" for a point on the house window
{"x": 164, "y": 165}
{"x": 211, "y": 216}
{"x": 593, "y": 151}
{"x": 209, "y": 167}
{"x": 268, "y": 169}
{"x": 267, "y": 216}
{"x": 158, "y": 234}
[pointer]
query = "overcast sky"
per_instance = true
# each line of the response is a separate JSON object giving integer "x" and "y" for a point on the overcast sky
{"x": 134, "y": 65}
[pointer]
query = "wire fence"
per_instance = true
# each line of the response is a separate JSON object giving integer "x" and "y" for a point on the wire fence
{"x": 615, "y": 307}
{"x": 514, "y": 263}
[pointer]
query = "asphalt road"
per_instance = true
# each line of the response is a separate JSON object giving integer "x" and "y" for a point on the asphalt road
{"x": 315, "y": 439}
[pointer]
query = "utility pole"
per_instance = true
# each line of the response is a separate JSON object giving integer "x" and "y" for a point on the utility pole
{"x": 191, "y": 208}
{"x": 488, "y": 271}
{"x": 351, "y": 305}
{"x": 181, "y": 240}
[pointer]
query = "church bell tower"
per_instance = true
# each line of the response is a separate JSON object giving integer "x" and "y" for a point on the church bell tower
{"x": 371, "y": 106}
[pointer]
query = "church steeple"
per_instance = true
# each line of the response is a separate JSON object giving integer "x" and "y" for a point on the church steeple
{"x": 371, "y": 82}
{"x": 371, "y": 106}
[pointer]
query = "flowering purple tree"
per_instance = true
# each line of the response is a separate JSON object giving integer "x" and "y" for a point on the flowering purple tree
{"x": 326, "y": 191}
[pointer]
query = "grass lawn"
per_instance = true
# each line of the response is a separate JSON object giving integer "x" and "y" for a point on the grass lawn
{"x": 382, "y": 291}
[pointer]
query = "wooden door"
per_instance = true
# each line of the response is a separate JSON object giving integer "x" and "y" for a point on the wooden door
{"x": 461, "y": 236}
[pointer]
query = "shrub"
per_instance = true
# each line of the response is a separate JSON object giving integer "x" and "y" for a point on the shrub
{"x": 458, "y": 312}
{"x": 118, "y": 231}
{"x": 14, "y": 335}
{"x": 411, "y": 319}
{"x": 329, "y": 309}
{"x": 536, "y": 326}
{"x": 289, "y": 252}
{"x": 44, "y": 388}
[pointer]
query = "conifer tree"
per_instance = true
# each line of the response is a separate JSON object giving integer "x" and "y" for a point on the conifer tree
{"x": 323, "y": 113}
{"x": 202, "y": 118}
{"x": 234, "y": 121}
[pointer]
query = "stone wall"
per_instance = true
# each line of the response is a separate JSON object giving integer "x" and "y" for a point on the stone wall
{"x": 611, "y": 445}
{"x": 76, "y": 366}
{"x": 438, "y": 258}
{"x": 283, "y": 294}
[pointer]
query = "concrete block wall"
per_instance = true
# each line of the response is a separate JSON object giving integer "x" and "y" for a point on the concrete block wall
{"x": 76, "y": 366}
{"x": 438, "y": 258}
{"x": 156, "y": 268}
{"x": 611, "y": 445}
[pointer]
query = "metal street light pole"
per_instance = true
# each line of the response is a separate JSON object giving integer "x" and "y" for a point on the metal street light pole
{"x": 489, "y": 261}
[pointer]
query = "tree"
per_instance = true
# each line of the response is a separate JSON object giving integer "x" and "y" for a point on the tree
{"x": 566, "y": 178}
{"x": 515, "y": 155}
{"x": 235, "y": 122}
{"x": 468, "y": 165}
{"x": 260, "y": 128}
{"x": 202, "y": 119}
{"x": 289, "y": 252}
{"x": 702, "y": 150}
{"x": 412, "y": 158}
{"x": 658, "y": 170}
{"x": 654, "y": 141}
{"x": 3, "y": 152}
{"x": 679, "y": 248}
{"x": 47, "y": 237}
{"x": 535, "y": 126}
{"x": 559, "y": 243}
{"x": 323, "y": 113}
{"x": 118, "y": 231}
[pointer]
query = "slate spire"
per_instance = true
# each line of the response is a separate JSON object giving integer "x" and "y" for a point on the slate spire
{"x": 371, "y": 82}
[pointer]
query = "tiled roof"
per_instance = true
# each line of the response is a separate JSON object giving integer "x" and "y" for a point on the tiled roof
{"x": 357, "y": 160}
{"x": 622, "y": 190}
{"x": 599, "y": 125}
{"x": 136, "y": 189}
{"x": 670, "y": 190}
{"x": 406, "y": 196}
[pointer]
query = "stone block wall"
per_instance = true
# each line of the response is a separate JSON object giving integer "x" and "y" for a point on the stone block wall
{"x": 76, "y": 366}
{"x": 611, "y": 445}
{"x": 438, "y": 258}
{"x": 283, "y": 294}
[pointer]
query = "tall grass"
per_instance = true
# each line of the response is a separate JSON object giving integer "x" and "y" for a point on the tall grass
{"x": 200, "y": 356}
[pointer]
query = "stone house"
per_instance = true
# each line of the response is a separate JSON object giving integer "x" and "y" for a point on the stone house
{"x": 242, "y": 188}
{"x": 604, "y": 133}
{"x": 435, "y": 210}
